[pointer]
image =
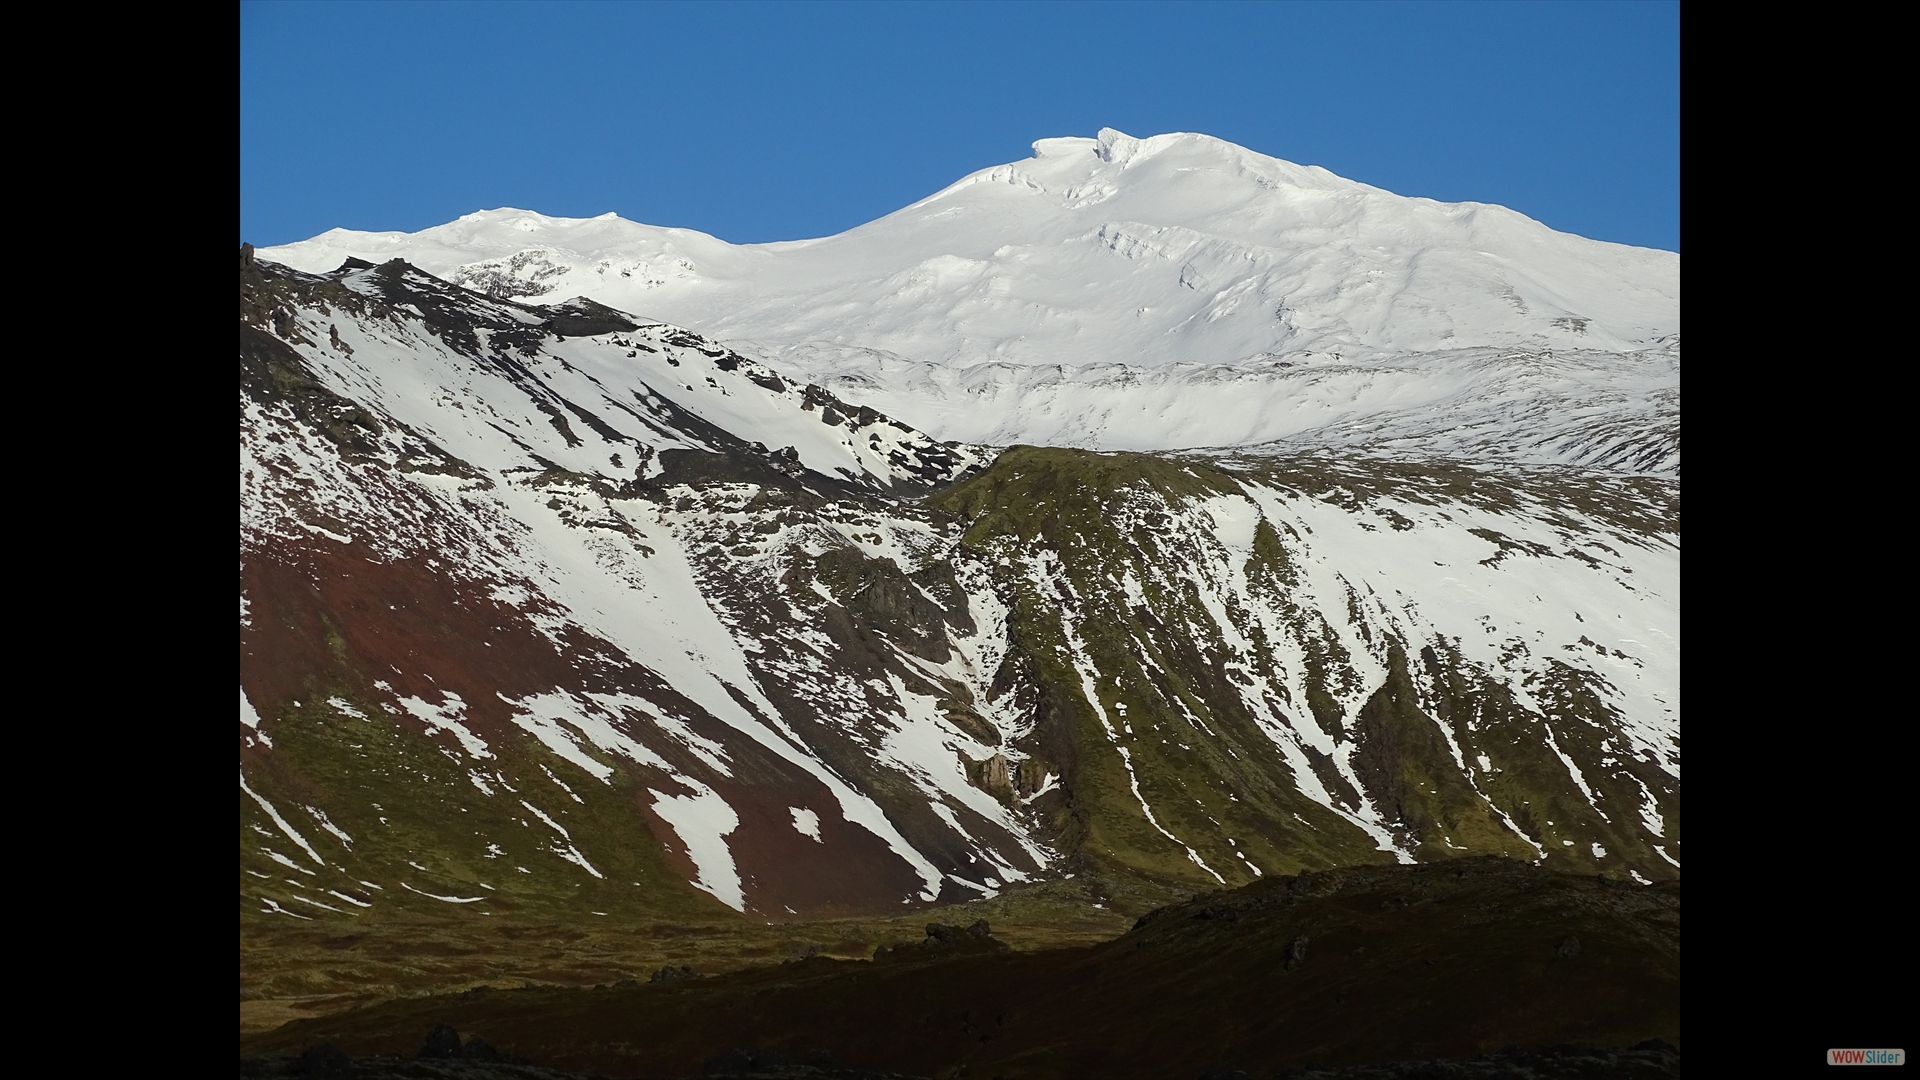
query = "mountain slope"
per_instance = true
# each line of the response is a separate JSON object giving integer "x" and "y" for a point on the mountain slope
{"x": 558, "y": 611}
{"x": 512, "y": 601}
{"x": 1115, "y": 292}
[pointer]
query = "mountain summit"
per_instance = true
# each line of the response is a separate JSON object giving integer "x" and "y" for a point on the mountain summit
{"x": 1122, "y": 293}
{"x": 1175, "y": 248}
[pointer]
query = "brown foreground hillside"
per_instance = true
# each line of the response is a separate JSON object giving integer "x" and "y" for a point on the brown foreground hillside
{"x": 1337, "y": 968}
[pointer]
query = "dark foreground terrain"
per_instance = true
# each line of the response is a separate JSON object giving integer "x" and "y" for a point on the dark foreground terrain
{"x": 1652, "y": 1060}
{"x": 1472, "y": 968}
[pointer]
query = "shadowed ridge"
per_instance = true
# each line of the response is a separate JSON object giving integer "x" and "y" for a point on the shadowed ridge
{"x": 1362, "y": 966}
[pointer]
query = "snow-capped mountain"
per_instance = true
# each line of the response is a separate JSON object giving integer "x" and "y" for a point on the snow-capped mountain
{"x": 560, "y": 608}
{"x": 1171, "y": 292}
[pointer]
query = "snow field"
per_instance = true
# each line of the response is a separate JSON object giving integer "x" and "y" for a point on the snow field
{"x": 1186, "y": 293}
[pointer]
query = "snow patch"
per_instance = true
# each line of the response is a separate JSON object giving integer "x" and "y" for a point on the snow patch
{"x": 703, "y": 820}
{"x": 448, "y": 716}
{"x": 807, "y": 823}
{"x": 281, "y": 822}
{"x": 448, "y": 899}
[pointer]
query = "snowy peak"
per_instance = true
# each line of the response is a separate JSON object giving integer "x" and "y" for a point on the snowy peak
{"x": 1158, "y": 174}
{"x": 1114, "y": 146}
{"x": 1175, "y": 248}
{"x": 1162, "y": 257}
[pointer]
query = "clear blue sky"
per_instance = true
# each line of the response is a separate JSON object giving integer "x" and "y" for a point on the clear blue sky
{"x": 777, "y": 121}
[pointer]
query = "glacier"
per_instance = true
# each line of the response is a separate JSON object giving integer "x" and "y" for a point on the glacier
{"x": 1171, "y": 292}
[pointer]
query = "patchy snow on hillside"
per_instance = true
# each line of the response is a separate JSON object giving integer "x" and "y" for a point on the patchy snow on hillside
{"x": 769, "y": 633}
